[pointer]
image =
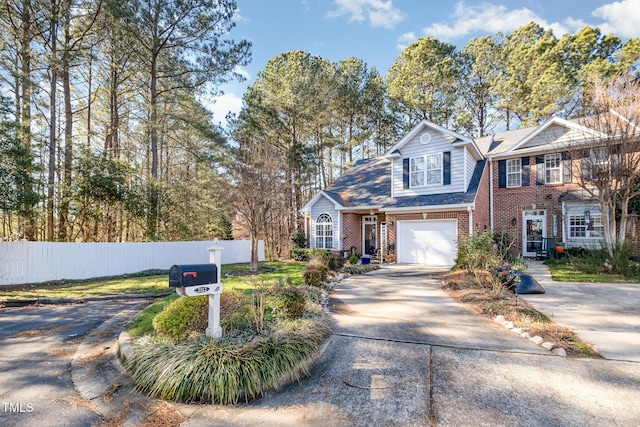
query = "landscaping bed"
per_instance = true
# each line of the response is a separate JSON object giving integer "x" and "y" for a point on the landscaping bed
{"x": 273, "y": 326}
{"x": 461, "y": 286}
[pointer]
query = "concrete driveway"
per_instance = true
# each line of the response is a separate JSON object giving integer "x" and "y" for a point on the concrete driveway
{"x": 605, "y": 315}
{"x": 405, "y": 354}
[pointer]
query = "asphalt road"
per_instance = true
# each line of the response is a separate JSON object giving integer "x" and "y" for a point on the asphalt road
{"x": 38, "y": 348}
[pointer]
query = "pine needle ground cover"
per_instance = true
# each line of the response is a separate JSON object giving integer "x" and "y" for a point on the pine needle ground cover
{"x": 273, "y": 327}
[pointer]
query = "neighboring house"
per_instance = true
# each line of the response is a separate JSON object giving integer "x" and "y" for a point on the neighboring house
{"x": 435, "y": 186}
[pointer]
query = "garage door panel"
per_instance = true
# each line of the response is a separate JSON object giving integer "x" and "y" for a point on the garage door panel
{"x": 427, "y": 242}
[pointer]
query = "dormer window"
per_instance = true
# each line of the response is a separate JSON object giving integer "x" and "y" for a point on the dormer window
{"x": 426, "y": 170}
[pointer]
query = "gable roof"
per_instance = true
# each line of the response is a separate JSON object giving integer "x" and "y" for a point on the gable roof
{"x": 504, "y": 144}
{"x": 366, "y": 184}
{"x": 459, "y": 139}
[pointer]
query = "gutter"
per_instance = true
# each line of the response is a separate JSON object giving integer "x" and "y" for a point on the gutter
{"x": 438, "y": 208}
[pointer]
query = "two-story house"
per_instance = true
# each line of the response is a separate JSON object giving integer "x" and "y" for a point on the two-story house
{"x": 416, "y": 200}
{"x": 436, "y": 185}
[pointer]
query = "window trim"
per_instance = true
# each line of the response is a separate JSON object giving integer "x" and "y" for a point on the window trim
{"x": 548, "y": 170}
{"x": 508, "y": 164}
{"x": 580, "y": 227}
{"x": 324, "y": 231}
{"x": 425, "y": 170}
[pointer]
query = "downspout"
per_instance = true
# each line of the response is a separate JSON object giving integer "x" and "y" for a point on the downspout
{"x": 470, "y": 220}
{"x": 491, "y": 194}
{"x": 564, "y": 229}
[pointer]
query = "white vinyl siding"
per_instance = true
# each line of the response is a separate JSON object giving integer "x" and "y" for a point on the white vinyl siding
{"x": 440, "y": 143}
{"x": 514, "y": 173}
{"x": 576, "y": 233}
{"x": 556, "y": 135}
{"x": 470, "y": 164}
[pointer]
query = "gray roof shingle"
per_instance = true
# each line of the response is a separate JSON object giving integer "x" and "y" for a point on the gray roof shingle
{"x": 368, "y": 183}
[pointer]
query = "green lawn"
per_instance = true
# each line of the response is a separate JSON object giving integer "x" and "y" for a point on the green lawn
{"x": 567, "y": 272}
{"x": 233, "y": 276}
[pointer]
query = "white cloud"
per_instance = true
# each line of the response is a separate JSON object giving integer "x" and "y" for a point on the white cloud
{"x": 493, "y": 18}
{"x": 379, "y": 13}
{"x": 223, "y": 104}
{"x": 622, "y": 18}
{"x": 243, "y": 72}
{"x": 405, "y": 40}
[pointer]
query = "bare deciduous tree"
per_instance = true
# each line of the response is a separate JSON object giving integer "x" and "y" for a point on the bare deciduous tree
{"x": 255, "y": 176}
{"x": 609, "y": 166}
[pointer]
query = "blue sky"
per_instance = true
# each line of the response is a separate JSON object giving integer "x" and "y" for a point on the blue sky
{"x": 376, "y": 31}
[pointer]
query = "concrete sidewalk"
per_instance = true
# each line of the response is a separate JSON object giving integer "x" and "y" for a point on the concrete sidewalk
{"x": 605, "y": 315}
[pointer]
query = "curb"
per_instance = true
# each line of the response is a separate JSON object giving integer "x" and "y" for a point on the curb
{"x": 98, "y": 375}
{"x": 52, "y": 301}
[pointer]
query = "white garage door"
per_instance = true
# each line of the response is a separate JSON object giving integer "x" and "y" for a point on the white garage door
{"x": 429, "y": 242}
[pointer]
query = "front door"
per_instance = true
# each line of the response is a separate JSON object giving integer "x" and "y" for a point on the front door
{"x": 369, "y": 235}
{"x": 533, "y": 231}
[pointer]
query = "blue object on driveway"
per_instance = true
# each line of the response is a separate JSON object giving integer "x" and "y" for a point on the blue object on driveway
{"x": 528, "y": 285}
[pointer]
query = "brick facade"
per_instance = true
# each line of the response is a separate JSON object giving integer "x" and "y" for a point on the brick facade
{"x": 510, "y": 202}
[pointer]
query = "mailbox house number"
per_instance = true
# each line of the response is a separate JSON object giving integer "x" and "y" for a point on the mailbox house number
{"x": 201, "y": 289}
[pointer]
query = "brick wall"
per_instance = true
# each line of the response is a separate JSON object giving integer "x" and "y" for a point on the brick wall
{"x": 510, "y": 202}
{"x": 351, "y": 231}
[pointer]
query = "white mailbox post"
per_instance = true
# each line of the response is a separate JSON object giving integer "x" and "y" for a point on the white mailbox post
{"x": 215, "y": 257}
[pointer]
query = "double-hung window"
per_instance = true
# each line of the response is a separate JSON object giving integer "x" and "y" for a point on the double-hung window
{"x": 426, "y": 170}
{"x": 324, "y": 231}
{"x": 579, "y": 227}
{"x": 600, "y": 161}
{"x": 514, "y": 173}
{"x": 553, "y": 168}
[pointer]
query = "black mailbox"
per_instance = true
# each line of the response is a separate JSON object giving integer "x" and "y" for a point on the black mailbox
{"x": 192, "y": 275}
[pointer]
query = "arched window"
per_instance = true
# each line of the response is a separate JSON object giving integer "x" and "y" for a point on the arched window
{"x": 324, "y": 231}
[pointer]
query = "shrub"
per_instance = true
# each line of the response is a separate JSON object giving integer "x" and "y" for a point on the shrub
{"x": 360, "y": 269}
{"x": 298, "y": 240}
{"x": 314, "y": 275}
{"x": 478, "y": 252}
{"x": 183, "y": 318}
{"x": 332, "y": 262}
{"x": 304, "y": 254}
{"x": 289, "y": 303}
{"x": 353, "y": 259}
{"x": 187, "y": 317}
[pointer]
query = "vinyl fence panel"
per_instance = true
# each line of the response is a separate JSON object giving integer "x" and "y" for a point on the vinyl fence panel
{"x": 36, "y": 262}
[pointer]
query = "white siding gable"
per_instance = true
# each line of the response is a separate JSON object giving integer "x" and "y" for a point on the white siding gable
{"x": 555, "y": 136}
{"x": 470, "y": 164}
{"x": 326, "y": 206}
{"x": 440, "y": 143}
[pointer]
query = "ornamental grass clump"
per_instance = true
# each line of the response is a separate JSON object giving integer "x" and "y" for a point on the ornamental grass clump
{"x": 202, "y": 370}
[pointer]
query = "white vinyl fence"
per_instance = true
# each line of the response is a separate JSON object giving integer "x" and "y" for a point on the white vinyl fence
{"x": 35, "y": 262}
